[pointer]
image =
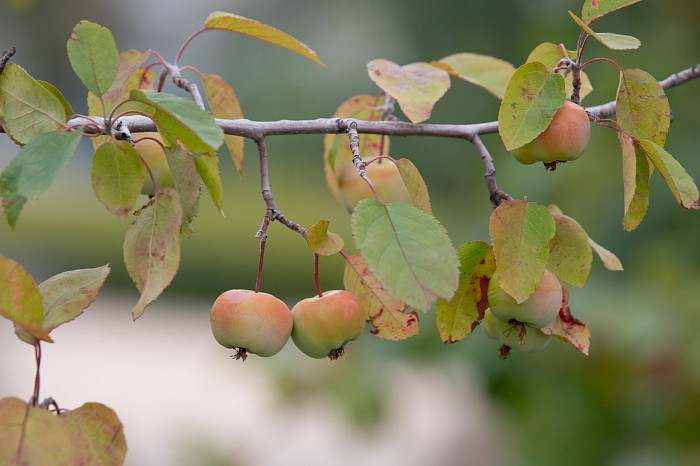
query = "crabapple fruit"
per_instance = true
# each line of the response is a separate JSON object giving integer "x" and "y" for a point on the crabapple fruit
{"x": 324, "y": 324}
{"x": 517, "y": 338}
{"x": 251, "y": 322}
{"x": 538, "y": 311}
{"x": 564, "y": 140}
{"x": 385, "y": 177}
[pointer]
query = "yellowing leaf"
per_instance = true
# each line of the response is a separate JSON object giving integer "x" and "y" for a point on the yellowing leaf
{"x": 224, "y": 104}
{"x": 117, "y": 176}
{"x": 549, "y": 55}
{"x": 415, "y": 185}
{"x": 208, "y": 167}
{"x": 570, "y": 256}
{"x": 187, "y": 182}
{"x": 323, "y": 242}
{"x": 520, "y": 232}
{"x": 124, "y": 81}
{"x": 487, "y": 72}
{"x": 569, "y": 329}
{"x": 68, "y": 294}
{"x": 239, "y": 24}
{"x": 532, "y": 98}
{"x": 21, "y": 302}
{"x": 97, "y": 435}
{"x": 416, "y": 87}
{"x": 27, "y": 108}
{"x": 635, "y": 179}
{"x": 152, "y": 247}
{"x": 388, "y": 315}
{"x": 642, "y": 107}
{"x": 681, "y": 184}
{"x": 593, "y": 9}
{"x": 610, "y": 260}
{"x": 610, "y": 40}
{"x": 32, "y": 436}
{"x": 458, "y": 317}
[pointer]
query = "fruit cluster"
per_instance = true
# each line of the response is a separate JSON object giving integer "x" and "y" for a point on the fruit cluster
{"x": 259, "y": 323}
{"x": 518, "y": 325}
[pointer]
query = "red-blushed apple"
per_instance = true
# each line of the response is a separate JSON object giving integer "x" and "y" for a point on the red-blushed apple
{"x": 564, "y": 140}
{"x": 385, "y": 177}
{"x": 537, "y": 311}
{"x": 516, "y": 337}
{"x": 152, "y": 153}
{"x": 251, "y": 322}
{"x": 324, "y": 324}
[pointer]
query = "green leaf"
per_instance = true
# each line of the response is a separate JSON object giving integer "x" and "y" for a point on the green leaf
{"x": 610, "y": 260}
{"x": 416, "y": 87}
{"x": 27, "y": 107}
{"x": 208, "y": 167}
{"x": 570, "y": 256}
{"x": 337, "y": 153}
{"x": 224, "y": 104}
{"x": 549, "y": 55}
{"x": 487, "y": 72}
{"x": 593, "y": 9}
{"x": 681, "y": 184}
{"x": 388, "y": 315}
{"x": 68, "y": 294}
{"x": 32, "y": 436}
{"x": 56, "y": 93}
{"x": 568, "y": 328}
{"x": 117, "y": 177}
{"x": 33, "y": 170}
{"x": 642, "y": 107}
{"x": 532, "y": 98}
{"x": 234, "y": 23}
{"x": 609, "y": 39}
{"x": 152, "y": 247}
{"x": 93, "y": 55}
{"x": 521, "y": 231}
{"x": 416, "y": 186}
{"x": 323, "y": 242}
{"x": 635, "y": 180}
{"x": 408, "y": 250}
{"x": 458, "y": 317}
{"x": 20, "y": 302}
{"x": 187, "y": 181}
{"x": 183, "y": 121}
{"x": 96, "y": 434}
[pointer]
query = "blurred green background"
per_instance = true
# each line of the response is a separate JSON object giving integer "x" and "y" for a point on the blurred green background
{"x": 634, "y": 400}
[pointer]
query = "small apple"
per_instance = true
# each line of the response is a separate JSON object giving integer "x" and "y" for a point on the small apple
{"x": 152, "y": 153}
{"x": 537, "y": 311}
{"x": 564, "y": 140}
{"x": 514, "y": 337}
{"x": 324, "y": 324}
{"x": 251, "y": 322}
{"x": 385, "y": 177}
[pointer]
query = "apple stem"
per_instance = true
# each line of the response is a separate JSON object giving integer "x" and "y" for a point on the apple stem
{"x": 316, "y": 276}
{"x": 262, "y": 234}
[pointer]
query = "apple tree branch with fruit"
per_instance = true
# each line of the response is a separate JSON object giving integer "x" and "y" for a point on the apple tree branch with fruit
{"x": 155, "y": 151}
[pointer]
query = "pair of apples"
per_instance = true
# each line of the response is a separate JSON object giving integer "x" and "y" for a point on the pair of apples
{"x": 259, "y": 323}
{"x": 517, "y": 325}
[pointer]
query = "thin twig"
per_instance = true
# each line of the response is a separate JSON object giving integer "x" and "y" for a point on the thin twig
{"x": 496, "y": 195}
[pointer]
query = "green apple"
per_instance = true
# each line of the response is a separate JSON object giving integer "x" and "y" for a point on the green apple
{"x": 251, "y": 322}
{"x": 323, "y": 325}
{"x": 385, "y": 177}
{"x": 516, "y": 337}
{"x": 564, "y": 140}
{"x": 537, "y": 311}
